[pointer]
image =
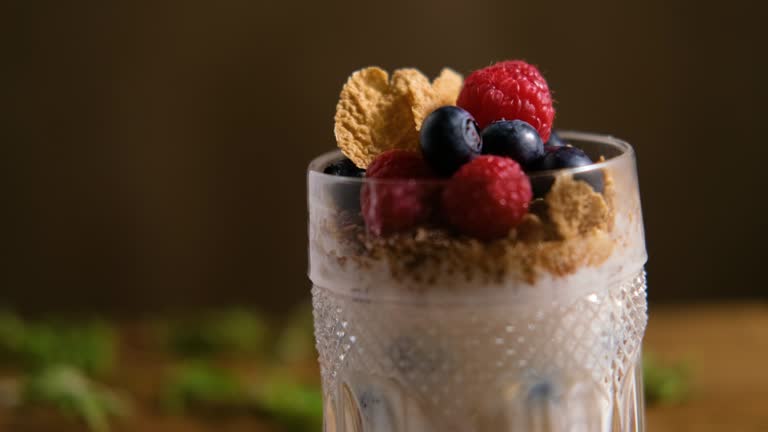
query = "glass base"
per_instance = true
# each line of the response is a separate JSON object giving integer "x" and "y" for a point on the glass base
{"x": 546, "y": 365}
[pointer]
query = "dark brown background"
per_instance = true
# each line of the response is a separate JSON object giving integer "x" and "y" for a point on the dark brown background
{"x": 154, "y": 153}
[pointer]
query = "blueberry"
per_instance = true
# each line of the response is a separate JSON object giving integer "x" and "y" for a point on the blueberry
{"x": 554, "y": 141}
{"x": 408, "y": 355}
{"x": 450, "y": 137}
{"x": 369, "y": 399}
{"x": 566, "y": 157}
{"x": 345, "y": 195}
{"x": 541, "y": 391}
{"x": 344, "y": 168}
{"x": 377, "y": 411}
{"x": 514, "y": 139}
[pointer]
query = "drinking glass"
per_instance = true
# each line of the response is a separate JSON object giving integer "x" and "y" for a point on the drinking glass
{"x": 560, "y": 354}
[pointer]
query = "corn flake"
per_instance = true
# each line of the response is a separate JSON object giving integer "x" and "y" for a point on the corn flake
{"x": 375, "y": 113}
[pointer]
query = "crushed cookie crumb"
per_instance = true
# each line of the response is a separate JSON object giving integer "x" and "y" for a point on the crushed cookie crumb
{"x": 568, "y": 230}
{"x": 575, "y": 208}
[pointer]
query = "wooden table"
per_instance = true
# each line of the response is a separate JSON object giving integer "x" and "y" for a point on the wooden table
{"x": 726, "y": 347}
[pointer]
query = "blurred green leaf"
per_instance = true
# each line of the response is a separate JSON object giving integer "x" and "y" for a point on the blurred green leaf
{"x": 11, "y": 333}
{"x": 90, "y": 346}
{"x": 664, "y": 384}
{"x": 234, "y": 331}
{"x": 296, "y": 341}
{"x": 69, "y": 390}
{"x": 296, "y": 405}
{"x": 199, "y": 383}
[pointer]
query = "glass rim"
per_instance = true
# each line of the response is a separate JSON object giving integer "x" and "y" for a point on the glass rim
{"x": 626, "y": 151}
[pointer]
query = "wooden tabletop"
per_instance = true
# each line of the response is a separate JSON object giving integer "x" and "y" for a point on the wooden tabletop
{"x": 726, "y": 349}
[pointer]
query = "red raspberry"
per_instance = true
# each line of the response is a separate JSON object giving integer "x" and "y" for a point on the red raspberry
{"x": 509, "y": 90}
{"x": 487, "y": 197}
{"x": 401, "y": 200}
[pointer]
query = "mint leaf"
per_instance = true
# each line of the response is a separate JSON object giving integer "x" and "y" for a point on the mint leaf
{"x": 664, "y": 384}
{"x": 70, "y": 391}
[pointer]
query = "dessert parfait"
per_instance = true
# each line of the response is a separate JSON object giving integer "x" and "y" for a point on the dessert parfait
{"x": 472, "y": 268}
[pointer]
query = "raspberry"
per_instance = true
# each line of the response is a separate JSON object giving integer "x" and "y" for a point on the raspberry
{"x": 401, "y": 200}
{"x": 509, "y": 90}
{"x": 487, "y": 197}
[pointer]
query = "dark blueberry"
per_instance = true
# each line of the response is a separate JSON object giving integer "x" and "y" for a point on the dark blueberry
{"x": 555, "y": 141}
{"x": 368, "y": 400}
{"x": 541, "y": 391}
{"x": 376, "y": 405}
{"x": 408, "y": 355}
{"x": 514, "y": 139}
{"x": 450, "y": 138}
{"x": 344, "y": 168}
{"x": 345, "y": 195}
{"x": 566, "y": 157}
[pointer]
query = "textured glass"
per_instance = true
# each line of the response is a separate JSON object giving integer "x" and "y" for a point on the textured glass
{"x": 403, "y": 349}
{"x": 560, "y": 365}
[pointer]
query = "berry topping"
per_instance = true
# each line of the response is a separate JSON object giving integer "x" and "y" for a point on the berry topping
{"x": 515, "y": 139}
{"x": 399, "y": 164}
{"x": 554, "y": 142}
{"x": 449, "y": 138}
{"x": 393, "y": 206}
{"x": 344, "y": 168}
{"x": 346, "y": 196}
{"x": 487, "y": 197}
{"x": 567, "y": 157}
{"x": 564, "y": 157}
{"x": 509, "y": 90}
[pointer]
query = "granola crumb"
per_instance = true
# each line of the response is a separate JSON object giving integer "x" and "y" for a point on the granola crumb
{"x": 575, "y": 208}
{"x": 567, "y": 230}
